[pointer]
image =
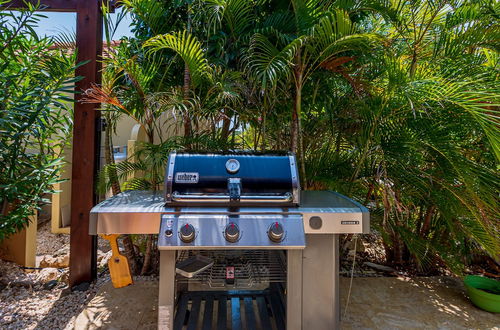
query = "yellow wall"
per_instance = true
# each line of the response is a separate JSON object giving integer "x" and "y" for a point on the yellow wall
{"x": 61, "y": 201}
{"x": 128, "y": 133}
{"x": 123, "y": 129}
{"x": 21, "y": 247}
{"x": 126, "y": 124}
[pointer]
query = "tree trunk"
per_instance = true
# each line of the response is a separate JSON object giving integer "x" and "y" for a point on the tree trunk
{"x": 148, "y": 255}
{"x": 398, "y": 249}
{"x": 413, "y": 66}
{"x": 427, "y": 221}
{"x": 186, "y": 89}
{"x": 338, "y": 142}
{"x": 5, "y": 207}
{"x": 187, "y": 86}
{"x": 110, "y": 160}
{"x": 389, "y": 253}
{"x": 297, "y": 146}
{"x": 128, "y": 246}
{"x": 226, "y": 124}
{"x": 294, "y": 134}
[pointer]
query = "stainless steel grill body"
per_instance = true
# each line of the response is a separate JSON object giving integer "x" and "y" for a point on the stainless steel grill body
{"x": 139, "y": 212}
{"x": 247, "y": 212}
{"x": 209, "y": 231}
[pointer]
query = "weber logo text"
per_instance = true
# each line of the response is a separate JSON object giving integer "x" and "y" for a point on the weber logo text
{"x": 187, "y": 177}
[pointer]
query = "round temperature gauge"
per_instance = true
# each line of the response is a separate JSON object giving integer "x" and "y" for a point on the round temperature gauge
{"x": 232, "y": 165}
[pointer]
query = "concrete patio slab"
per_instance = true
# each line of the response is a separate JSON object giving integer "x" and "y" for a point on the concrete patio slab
{"x": 375, "y": 303}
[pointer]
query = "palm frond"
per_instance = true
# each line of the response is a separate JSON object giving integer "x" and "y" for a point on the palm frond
{"x": 187, "y": 47}
{"x": 481, "y": 105}
{"x": 268, "y": 63}
{"x": 150, "y": 12}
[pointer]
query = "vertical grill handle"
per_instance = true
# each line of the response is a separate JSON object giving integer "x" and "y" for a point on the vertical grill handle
{"x": 234, "y": 189}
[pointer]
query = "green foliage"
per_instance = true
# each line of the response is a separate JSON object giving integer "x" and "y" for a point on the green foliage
{"x": 36, "y": 84}
{"x": 187, "y": 47}
{"x": 392, "y": 102}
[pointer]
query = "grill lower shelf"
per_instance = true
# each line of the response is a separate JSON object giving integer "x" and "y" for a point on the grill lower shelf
{"x": 218, "y": 310}
{"x": 254, "y": 269}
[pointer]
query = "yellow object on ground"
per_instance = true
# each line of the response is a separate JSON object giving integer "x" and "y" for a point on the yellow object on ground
{"x": 119, "y": 268}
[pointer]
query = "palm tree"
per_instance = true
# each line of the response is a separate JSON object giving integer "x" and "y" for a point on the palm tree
{"x": 190, "y": 50}
{"x": 422, "y": 145}
{"x": 322, "y": 37}
{"x": 407, "y": 123}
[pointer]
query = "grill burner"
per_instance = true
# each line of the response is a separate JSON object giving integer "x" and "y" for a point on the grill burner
{"x": 273, "y": 249}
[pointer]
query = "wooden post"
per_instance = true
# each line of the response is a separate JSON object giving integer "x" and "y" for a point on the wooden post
{"x": 86, "y": 140}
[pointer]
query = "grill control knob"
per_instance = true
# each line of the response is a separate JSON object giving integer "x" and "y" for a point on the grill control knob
{"x": 232, "y": 232}
{"x": 187, "y": 233}
{"x": 276, "y": 232}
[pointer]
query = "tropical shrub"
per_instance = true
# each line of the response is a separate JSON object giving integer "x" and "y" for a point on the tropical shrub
{"x": 391, "y": 102}
{"x": 417, "y": 133}
{"x": 35, "y": 122}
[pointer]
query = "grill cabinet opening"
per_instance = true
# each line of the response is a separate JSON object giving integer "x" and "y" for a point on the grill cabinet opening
{"x": 255, "y": 299}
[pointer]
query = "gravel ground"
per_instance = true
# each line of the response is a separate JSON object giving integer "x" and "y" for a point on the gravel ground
{"x": 48, "y": 243}
{"x": 436, "y": 302}
{"x": 24, "y": 301}
{"x": 33, "y": 307}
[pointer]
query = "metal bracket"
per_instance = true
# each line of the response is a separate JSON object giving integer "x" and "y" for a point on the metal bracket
{"x": 101, "y": 124}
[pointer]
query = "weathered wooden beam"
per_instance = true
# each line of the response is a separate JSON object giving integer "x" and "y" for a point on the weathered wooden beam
{"x": 51, "y": 5}
{"x": 86, "y": 140}
{"x": 47, "y": 5}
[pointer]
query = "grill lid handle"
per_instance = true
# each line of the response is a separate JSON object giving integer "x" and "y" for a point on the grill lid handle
{"x": 234, "y": 189}
{"x": 287, "y": 197}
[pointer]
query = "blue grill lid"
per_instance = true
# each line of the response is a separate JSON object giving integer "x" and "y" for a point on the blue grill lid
{"x": 205, "y": 176}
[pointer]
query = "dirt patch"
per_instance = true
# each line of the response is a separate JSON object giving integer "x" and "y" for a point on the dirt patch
{"x": 411, "y": 303}
{"x": 375, "y": 303}
{"x": 31, "y": 299}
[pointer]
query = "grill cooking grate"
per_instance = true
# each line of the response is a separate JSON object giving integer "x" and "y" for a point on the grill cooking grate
{"x": 218, "y": 310}
{"x": 251, "y": 268}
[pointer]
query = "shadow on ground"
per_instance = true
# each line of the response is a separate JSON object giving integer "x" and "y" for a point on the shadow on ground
{"x": 131, "y": 307}
{"x": 375, "y": 303}
{"x": 417, "y": 303}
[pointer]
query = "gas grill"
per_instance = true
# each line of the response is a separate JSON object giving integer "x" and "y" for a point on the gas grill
{"x": 241, "y": 246}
